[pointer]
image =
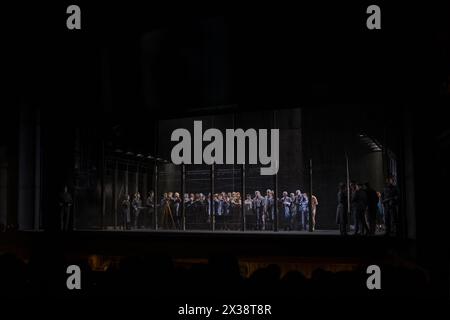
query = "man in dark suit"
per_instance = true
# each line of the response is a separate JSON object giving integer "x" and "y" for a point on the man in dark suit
{"x": 372, "y": 202}
{"x": 359, "y": 205}
{"x": 65, "y": 204}
{"x": 390, "y": 198}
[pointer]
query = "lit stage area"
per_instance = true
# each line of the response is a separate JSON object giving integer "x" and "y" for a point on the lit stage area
{"x": 126, "y": 179}
{"x": 137, "y": 187}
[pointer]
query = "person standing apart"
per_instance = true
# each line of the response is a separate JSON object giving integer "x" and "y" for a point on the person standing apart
{"x": 126, "y": 212}
{"x": 314, "y": 204}
{"x": 359, "y": 205}
{"x": 342, "y": 207}
{"x": 65, "y": 203}
{"x": 372, "y": 201}
{"x": 390, "y": 202}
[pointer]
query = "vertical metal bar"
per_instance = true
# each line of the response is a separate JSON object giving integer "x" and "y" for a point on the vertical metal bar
{"x": 275, "y": 187}
{"x": 116, "y": 171}
{"x": 348, "y": 188}
{"x": 384, "y": 154}
{"x": 102, "y": 192}
{"x": 400, "y": 179}
{"x": 407, "y": 209}
{"x": 124, "y": 223}
{"x": 137, "y": 178}
{"x": 74, "y": 208}
{"x": 136, "y": 184}
{"x": 243, "y": 222}
{"x": 310, "y": 224}
{"x": 234, "y": 128}
{"x": 213, "y": 214}
{"x": 183, "y": 191}
{"x": 156, "y": 197}
{"x": 155, "y": 170}
{"x": 126, "y": 179}
{"x": 37, "y": 174}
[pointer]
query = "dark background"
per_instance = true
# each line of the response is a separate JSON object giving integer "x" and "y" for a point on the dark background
{"x": 271, "y": 56}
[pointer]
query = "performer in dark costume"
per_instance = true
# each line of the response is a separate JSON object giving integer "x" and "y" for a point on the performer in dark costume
{"x": 267, "y": 210}
{"x": 228, "y": 212}
{"x": 125, "y": 206}
{"x": 65, "y": 204}
{"x": 258, "y": 205}
{"x": 150, "y": 206}
{"x": 342, "y": 208}
{"x": 359, "y": 205}
{"x": 293, "y": 211}
{"x": 372, "y": 202}
{"x": 137, "y": 206}
{"x": 188, "y": 202}
{"x": 203, "y": 209}
{"x": 248, "y": 210}
{"x": 390, "y": 198}
{"x": 177, "y": 210}
{"x": 380, "y": 213}
{"x": 197, "y": 210}
{"x": 219, "y": 206}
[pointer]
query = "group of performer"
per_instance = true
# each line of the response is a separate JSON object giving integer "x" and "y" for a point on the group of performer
{"x": 293, "y": 208}
{"x": 359, "y": 205}
{"x": 370, "y": 210}
{"x": 259, "y": 210}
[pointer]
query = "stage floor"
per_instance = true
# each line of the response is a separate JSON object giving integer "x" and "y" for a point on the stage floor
{"x": 226, "y": 232}
{"x": 238, "y": 232}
